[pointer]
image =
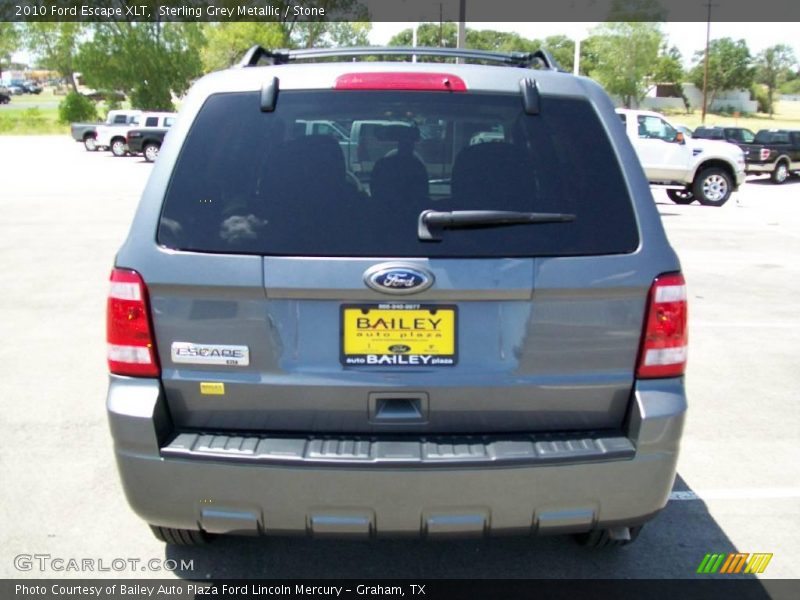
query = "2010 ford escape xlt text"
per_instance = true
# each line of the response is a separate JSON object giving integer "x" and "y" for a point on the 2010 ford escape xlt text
{"x": 396, "y": 298}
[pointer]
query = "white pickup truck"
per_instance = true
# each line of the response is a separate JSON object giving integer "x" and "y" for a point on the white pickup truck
{"x": 116, "y": 138}
{"x": 691, "y": 169}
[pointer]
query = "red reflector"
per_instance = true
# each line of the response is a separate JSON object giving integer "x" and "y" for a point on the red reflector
{"x": 665, "y": 336}
{"x": 131, "y": 347}
{"x": 442, "y": 82}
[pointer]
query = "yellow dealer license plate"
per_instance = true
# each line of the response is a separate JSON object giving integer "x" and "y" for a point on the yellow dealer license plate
{"x": 399, "y": 334}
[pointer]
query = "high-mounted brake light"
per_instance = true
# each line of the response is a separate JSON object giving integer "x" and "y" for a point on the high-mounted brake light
{"x": 665, "y": 335}
{"x": 442, "y": 82}
{"x": 131, "y": 347}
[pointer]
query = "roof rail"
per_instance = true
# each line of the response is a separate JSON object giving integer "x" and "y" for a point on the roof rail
{"x": 541, "y": 57}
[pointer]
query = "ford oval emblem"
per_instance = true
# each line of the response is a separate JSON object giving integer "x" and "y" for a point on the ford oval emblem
{"x": 398, "y": 279}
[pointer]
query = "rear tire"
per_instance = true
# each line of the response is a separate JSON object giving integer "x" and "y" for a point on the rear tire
{"x": 150, "y": 152}
{"x": 780, "y": 174}
{"x": 681, "y": 196}
{"x": 179, "y": 537}
{"x": 118, "y": 147}
{"x": 90, "y": 143}
{"x": 600, "y": 538}
{"x": 712, "y": 186}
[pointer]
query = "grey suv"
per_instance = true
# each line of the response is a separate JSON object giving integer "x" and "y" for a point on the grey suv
{"x": 396, "y": 298}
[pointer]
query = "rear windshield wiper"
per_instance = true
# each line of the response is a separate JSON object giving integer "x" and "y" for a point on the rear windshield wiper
{"x": 463, "y": 219}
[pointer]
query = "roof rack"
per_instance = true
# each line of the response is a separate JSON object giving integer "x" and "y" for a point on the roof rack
{"x": 541, "y": 57}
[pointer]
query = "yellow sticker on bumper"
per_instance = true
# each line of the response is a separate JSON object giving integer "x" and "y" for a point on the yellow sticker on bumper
{"x": 212, "y": 388}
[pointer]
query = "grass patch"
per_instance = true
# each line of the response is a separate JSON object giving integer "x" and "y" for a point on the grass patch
{"x": 30, "y": 114}
{"x": 31, "y": 121}
{"x": 787, "y": 116}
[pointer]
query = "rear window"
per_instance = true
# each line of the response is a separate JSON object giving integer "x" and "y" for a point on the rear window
{"x": 347, "y": 173}
{"x": 772, "y": 137}
{"x": 709, "y": 134}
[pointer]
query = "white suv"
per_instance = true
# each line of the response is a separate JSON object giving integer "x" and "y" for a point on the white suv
{"x": 692, "y": 169}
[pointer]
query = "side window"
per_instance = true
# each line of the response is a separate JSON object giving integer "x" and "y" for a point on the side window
{"x": 655, "y": 128}
{"x": 169, "y": 121}
{"x": 623, "y": 117}
{"x": 746, "y": 136}
{"x": 151, "y": 121}
{"x": 120, "y": 119}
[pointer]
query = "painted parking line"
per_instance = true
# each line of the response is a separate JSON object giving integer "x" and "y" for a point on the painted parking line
{"x": 737, "y": 494}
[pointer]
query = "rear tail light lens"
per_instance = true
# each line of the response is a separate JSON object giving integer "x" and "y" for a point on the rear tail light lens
{"x": 763, "y": 154}
{"x": 665, "y": 336}
{"x": 131, "y": 346}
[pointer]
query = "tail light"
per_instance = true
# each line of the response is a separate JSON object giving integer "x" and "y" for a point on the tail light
{"x": 665, "y": 335}
{"x": 763, "y": 154}
{"x": 441, "y": 82}
{"x": 131, "y": 347}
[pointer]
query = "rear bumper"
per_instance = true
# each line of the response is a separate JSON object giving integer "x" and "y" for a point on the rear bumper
{"x": 222, "y": 494}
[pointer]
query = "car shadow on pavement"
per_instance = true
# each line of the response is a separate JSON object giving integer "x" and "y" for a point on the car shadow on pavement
{"x": 671, "y": 546}
{"x": 767, "y": 181}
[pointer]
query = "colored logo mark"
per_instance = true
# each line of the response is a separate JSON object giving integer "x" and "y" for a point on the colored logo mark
{"x": 733, "y": 563}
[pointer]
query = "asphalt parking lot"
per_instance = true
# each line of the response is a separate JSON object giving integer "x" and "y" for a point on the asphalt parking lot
{"x": 64, "y": 212}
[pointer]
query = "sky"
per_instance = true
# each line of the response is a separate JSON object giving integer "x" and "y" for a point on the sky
{"x": 688, "y": 37}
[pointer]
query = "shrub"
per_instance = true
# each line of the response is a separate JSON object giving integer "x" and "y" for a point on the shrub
{"x": 76, "y": 107}
{"x": 761, "y": 96}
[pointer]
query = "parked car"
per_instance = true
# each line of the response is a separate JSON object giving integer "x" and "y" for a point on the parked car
{"x": 116, "y": 138}
{"x": 31, "y": 87}
{"x": 15, "y": 90}
{"x": 692, "y": 169}
{"x": 740, "y": 136}
{"x": 146, "y": 141}
{"x": 775, "y": 152}
{"x": 5, "y": 95}
{"x": 87, "y": 132}
{"x": 464, "y": 338}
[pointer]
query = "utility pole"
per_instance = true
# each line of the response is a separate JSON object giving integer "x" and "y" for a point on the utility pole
{"x": 705, "y": 65}
{"x": 576, "y": 61}
{"x": 462, "y": 25}
{"x": 441, "y": 27}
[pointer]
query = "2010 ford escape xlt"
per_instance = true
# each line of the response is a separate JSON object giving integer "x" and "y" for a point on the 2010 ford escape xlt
{"x": 396, "y": 298}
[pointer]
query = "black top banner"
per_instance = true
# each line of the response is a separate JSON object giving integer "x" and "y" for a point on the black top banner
{"x": 401, "y": 10}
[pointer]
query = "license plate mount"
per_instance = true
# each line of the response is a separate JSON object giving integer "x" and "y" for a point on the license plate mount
{"x": 399, "y": 335}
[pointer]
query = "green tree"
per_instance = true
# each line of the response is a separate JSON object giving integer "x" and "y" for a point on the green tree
{"x": 54, "y": 45}
{"x": 445, "y": 35}
{"x": 563, "y": 50}
{"x": 627, "y": 58}
{"x": 773, "y": 66}
{"x": 322, "y": 34}
{"x": 499, "y": 41}
{"x": 729, "y": 67}
{"x": 669, "y": 70}
{"x": 226, "y": 43}
{"x": 76, "y": 107}
{"x": 150, "y": 62}
{"x": 428, "y": 34}
{"x": 9, "y": 42}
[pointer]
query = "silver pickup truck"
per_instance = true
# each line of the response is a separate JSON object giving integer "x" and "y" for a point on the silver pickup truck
{"x": 87, "y": 132}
